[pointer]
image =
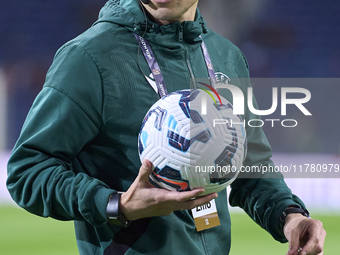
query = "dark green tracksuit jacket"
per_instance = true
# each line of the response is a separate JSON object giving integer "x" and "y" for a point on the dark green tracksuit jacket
{"x": 79, "y": 142}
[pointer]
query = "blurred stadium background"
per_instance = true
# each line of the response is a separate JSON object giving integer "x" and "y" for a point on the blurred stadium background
{"x": 281, "y": 39}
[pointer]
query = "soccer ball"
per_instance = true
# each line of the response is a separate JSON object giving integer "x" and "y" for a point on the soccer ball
{"x": 193, "y": 141}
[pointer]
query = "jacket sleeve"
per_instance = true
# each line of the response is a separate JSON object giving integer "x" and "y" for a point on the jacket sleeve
{"x": 263, "y": 196}
{"x": 64, "y": 117}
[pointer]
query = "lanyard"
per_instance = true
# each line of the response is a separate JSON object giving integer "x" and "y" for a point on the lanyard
{"x": 208, "y": 63}
{"x": 156, "y": 71}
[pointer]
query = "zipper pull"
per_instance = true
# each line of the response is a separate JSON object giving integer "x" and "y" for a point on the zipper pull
{"x": 180, "y": 34}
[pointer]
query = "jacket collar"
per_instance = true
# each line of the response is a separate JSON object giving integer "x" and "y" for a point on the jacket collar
{"x": 129, "y": 14}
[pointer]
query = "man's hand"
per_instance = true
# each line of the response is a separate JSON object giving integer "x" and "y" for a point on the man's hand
{"x": 305, "y": 235}
{"x": 144, "y": 200}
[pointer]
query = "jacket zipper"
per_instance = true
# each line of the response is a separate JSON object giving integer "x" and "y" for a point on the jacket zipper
{"x": 204, "y": 243}
{"x": 180, "y": 38}
{"x": 192, "y": 85}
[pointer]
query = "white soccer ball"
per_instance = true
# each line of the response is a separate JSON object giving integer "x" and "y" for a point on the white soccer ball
{"x": 192, "y": 141}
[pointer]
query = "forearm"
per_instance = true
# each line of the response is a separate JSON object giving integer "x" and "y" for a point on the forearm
{"x": 50, "y": 188}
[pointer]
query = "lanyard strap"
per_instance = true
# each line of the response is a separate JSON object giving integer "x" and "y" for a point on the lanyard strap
{"x": 156, "y": 71}
{"x": 153, "y": 65}
{"x": 208, "y": 63}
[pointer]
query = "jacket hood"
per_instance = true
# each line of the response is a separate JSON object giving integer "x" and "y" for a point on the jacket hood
{"x": 128, "y": 13}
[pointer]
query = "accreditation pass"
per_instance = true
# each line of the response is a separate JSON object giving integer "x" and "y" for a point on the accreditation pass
{"x": 205, "y": 216}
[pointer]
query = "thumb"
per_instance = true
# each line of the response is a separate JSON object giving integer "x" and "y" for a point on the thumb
{"x": 145, "y": 170}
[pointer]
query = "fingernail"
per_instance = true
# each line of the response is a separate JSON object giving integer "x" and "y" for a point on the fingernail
{"x": 145, "y": 164}
{"x": 304, "y": 253}
{"x": 201, "y": 191}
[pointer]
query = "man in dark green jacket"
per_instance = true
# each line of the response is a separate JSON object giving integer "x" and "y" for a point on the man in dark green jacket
{"x": 78, "y": 146}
